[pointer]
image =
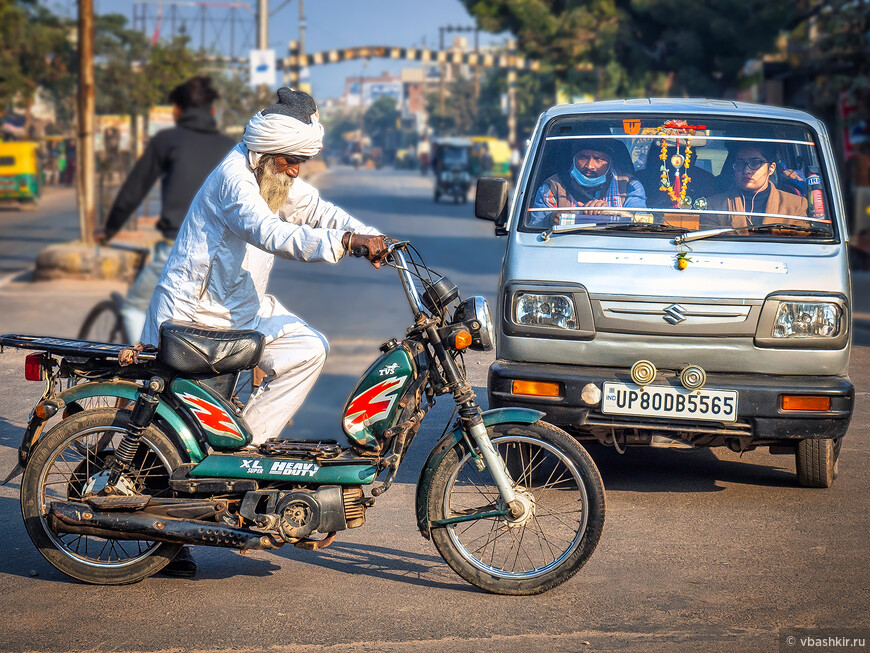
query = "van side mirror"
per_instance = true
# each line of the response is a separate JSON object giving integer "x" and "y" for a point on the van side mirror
{"x": 491, "y": 202}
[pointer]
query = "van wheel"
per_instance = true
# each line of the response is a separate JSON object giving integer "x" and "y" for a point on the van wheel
{"x": 817, "y": 462}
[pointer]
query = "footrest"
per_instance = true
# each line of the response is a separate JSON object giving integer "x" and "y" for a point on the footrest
{"x": 300, "y": 448}
{"x": 137, "y": 502}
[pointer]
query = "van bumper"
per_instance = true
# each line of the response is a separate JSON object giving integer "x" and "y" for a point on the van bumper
{"x": 759, "y": 415}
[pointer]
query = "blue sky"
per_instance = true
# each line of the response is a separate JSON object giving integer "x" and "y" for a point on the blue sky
{"x": 330, "y": 24}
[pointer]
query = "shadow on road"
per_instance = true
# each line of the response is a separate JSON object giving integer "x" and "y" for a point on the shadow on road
{"x": 383, "y": 562}
{"x": 667, "y": 470}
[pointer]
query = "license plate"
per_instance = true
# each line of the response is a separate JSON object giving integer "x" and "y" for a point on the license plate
{"x": 666, "y": 401}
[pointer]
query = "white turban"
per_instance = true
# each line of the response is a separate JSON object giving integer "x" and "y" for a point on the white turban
{"x": 276, "y": 133}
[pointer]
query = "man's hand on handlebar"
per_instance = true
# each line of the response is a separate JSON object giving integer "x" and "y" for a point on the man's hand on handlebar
{"x": 374, "y": 248}
{"x": 101, "y": 237}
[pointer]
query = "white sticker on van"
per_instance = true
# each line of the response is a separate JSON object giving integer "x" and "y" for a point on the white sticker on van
{"x": 667, "y": 261}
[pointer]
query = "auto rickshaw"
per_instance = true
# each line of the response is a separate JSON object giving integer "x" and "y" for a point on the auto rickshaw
{"x": 498, "y": 156}
{"x": 451, "y": 162}
{"x": 20, "y": 172}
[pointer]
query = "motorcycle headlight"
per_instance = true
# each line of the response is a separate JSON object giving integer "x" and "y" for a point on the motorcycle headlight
{"x": 545, "y": 310}
{"x": 803, "y": 322}
{"x": 474, "y": 313}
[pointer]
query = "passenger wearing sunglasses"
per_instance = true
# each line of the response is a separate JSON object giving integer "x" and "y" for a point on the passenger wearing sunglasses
{"x": 752, "y": 190}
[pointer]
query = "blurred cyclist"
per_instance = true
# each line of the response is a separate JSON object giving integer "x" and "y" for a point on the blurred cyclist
{"x": 181, "y": 157}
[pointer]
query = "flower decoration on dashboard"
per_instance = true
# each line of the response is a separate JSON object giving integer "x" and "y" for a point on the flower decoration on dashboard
{"x": 676, "y": 189}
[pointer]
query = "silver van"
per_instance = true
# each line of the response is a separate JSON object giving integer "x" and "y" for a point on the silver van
{"x": 676, "y": 275}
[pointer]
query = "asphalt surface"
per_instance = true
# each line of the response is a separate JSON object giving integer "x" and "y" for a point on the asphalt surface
{"x": 702, "y": 550}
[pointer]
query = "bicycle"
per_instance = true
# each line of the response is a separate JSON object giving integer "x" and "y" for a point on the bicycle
{"x": 104, "y": 322}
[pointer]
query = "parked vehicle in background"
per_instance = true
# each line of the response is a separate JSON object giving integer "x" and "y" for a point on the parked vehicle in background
{"x": 452, "y": 165}
{"x": 499, "y": 156}
{"x": 717, "y": 314}
{"x": 21, "y": 176}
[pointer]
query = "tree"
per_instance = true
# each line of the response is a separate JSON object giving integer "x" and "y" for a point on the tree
{"x": 835, "y": 54}
{"x": 381, "y": 116}
{"x": 639, "y": 47}
{"x": 238, "y": 101}
{"x": 34, "y": 52}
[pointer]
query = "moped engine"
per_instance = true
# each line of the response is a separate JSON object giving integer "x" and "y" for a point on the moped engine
{"x": 297, "y": 514}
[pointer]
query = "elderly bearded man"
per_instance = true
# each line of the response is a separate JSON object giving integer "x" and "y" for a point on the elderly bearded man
{"x": 250, "y": 209}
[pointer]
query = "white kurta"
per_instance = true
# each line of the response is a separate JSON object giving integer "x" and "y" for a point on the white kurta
{"x": 218, "y": 270}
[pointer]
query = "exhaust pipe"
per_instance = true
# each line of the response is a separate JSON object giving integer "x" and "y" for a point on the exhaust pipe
{"x": 79, "y": 518}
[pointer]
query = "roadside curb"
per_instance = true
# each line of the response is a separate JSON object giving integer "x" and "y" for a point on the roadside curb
{"x": 14, "y": 276}
{"x": 77, "y": 260}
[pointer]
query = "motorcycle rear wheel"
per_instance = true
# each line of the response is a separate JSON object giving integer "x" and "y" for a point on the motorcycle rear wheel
{"x": 553, "y": 539}
{"x": 59, "y": 469}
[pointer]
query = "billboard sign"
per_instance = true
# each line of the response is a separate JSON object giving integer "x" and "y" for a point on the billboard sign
{"x": 262, "y": 67}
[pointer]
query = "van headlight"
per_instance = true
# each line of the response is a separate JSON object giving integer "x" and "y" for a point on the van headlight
{"x": 804, "y": 322}
{"x": 807, "y": 320}
{"x": 541, "y": 309}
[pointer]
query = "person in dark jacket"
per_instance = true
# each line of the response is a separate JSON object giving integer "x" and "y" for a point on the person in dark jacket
{"x": 182, "y": 158}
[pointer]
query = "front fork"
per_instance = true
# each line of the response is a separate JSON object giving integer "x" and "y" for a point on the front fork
{"x": 494, "y": 461}
{"x": 472, "y": 424}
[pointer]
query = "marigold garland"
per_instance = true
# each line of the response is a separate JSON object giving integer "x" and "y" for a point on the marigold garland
{"x": 677, "y": 128}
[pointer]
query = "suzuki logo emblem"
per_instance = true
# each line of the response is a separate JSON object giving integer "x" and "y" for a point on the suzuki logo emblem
{"x": 674, "y": 314}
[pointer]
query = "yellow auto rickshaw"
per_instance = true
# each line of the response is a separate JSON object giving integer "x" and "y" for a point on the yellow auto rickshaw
{"x": 20, "y": 172}
{"x": 498, "y": 156}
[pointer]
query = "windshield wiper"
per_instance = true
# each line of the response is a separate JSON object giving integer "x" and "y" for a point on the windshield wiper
{"x": 761, "y": 228}
{"x": 620, "y": 226}
{"x": 646, "y": 226}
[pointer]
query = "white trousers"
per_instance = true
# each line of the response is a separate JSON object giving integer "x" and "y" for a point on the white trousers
{"x": 292, "y": 359}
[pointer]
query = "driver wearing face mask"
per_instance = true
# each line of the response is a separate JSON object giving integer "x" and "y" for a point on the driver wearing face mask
{"x": 592, "y": 181}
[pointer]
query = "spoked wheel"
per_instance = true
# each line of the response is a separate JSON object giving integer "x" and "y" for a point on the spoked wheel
{"x": 563, "y": 511}
{"x": 104, "y": 324}
{"x": 69, "y": 463}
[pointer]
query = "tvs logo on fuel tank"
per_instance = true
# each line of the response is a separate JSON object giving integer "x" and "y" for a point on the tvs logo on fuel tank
{"x": 212, "y": 417}
{"x": 373, "y": 404}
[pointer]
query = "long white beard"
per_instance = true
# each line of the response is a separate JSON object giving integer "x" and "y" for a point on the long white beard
{"x": 274, "y": 186}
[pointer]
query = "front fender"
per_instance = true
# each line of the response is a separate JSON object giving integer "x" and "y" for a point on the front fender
{"x": 454, "y": 439}
{"x": 120, "y": 390}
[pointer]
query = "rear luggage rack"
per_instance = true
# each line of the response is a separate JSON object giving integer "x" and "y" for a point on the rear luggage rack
{"x": 69, "y": 346}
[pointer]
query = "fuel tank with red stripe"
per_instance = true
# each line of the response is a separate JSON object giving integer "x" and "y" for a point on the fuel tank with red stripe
{"x": 373, "y": 406}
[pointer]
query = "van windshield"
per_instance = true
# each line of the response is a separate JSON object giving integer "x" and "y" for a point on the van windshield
{"x": 682, "y": 174}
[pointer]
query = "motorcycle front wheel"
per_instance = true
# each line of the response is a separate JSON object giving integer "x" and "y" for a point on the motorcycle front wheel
{"x": 64, "y": 466}
{"x": 562, "y": 520}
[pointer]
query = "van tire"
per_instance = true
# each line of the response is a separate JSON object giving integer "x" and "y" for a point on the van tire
{"x": 817, "y": 462}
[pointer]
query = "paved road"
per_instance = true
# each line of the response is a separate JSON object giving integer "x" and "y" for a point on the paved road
{"x": 702, "y": 550}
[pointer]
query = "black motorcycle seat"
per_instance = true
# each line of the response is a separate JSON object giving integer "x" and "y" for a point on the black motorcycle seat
{"x": 192, "y": 349}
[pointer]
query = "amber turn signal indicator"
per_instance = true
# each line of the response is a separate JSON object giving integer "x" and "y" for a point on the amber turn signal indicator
{"x": 806, "y": 402}
{"x": 462, "y": 339}
{"x": 535, "y": 388}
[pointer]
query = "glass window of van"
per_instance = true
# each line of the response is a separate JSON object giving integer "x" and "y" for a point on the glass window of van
{"x": 753, "y": 179}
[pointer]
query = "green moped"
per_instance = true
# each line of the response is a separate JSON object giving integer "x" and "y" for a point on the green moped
{"x": 110, "y": 494}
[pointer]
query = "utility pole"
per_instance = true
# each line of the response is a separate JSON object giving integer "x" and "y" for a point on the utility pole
{"x": 443, "y": 69}
{"x": 85, "y": 156}
{"x": 301, "y": 26}
{"x": 263, "y": 38}
{"x": 512, "y": 94}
